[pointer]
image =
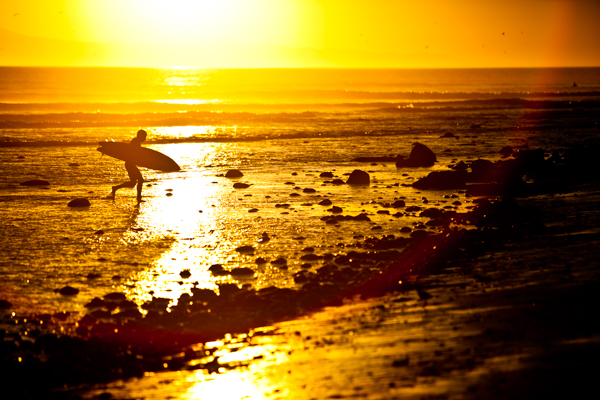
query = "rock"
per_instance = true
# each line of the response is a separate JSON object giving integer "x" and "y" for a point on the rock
{"x": 115, "y": 296}
{"x": 203, "y": 294}
{"x": 185, "y": 273}
{"x": 311, "y": 257}
{"x": 241, "y": 271}
{"x": 506, "y": 151}
{"x": 448, "y": 135}
{"x": 82, "y": 202}
{"x": 337, "y": 182}
{"x": 309, "y": 190}
{"x": 442, "y": 180}
{"x": 218, "y": 270}
{"x": 240, "y": 185}
{"x": 95, "y": 303}
{"x": 420, "y": 156}
{"x": 228, "y": 289}
{"x": 245, "y": 249}
{"x": 358, "y": 177}
{"x": 68, "y": 291}
{"x": 335, "y": 210}
{"x": 234, "y": 173}
{"x": 460, "y": 166}
{"x": 482, "y": 171}
{"x": 35, "y": 182}
{"x": 512, "y": 187}
{"x": 325, "y": 202}
{"x": 398, "y": 204}
{"x": 326, "y": 175}
{"x": 5, "y": 304}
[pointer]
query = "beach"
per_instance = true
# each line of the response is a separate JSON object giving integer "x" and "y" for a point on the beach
{"x": 299, "y": 282}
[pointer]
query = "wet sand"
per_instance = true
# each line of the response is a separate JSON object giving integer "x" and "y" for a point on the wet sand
{"x": 516, "y": 322}
{"x": 510, "y": 315}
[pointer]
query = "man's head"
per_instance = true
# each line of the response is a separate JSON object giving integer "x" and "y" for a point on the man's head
{"x": 141, "y": 134}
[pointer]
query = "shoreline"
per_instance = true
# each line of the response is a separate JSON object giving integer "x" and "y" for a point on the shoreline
{"x": 425, "y": 261}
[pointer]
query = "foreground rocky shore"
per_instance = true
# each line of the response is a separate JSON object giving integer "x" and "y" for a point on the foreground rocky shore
{"x": 116, "y": 340}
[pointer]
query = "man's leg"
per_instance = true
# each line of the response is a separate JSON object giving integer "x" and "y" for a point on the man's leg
{"x": 129, "y": 184}
{"x": 140, "y": 185}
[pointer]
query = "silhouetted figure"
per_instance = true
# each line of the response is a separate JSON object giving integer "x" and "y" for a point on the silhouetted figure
{"x": 135, "y": 176}
{"x": 574, "y": 84}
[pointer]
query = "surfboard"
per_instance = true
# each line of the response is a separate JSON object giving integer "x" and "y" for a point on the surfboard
{"x": 140, "y": 156}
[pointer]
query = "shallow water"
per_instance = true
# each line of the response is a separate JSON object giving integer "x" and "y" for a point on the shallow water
{"x": 281, "y": 128}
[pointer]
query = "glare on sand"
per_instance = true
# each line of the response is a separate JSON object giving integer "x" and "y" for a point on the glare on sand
{"x": 185, "y": 210}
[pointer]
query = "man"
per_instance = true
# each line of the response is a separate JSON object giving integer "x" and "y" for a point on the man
{"x": 135, "y": 176}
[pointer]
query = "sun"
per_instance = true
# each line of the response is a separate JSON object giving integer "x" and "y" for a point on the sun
{"x": 252, "y": 22}
{"x": 188, "y": 19}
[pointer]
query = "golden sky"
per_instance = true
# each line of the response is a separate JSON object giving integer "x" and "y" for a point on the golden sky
{"x": 301, "y": 33}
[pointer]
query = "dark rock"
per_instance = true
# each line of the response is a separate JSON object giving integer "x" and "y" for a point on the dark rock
{"x": 311, "y": 257}
{"x": 68, "y": 291}
{"x": 512, "y": 187}
{"x": 309, "y": 190}
{"x": 482, "y": 171}
{"x": 398, "y": 204}
{"x": 420, "y": 156}
{"x": 506, "y": 151}
{"x": 358, "y": 177}
{"x": 442, "y": 180}
{"x": 228, "y": 289}
{"x": 325, "y": 202}
{"x": 241, "y": 271}
{"x": 240, "y": 185}
{"x": 127, "y": 304}
{"x": 460, "y": 166}
{"x": 335, "y": 209}
{"x": 234, "y": 173}
{"x": 96, "y": 303}
{"x": 4, "y": 304}
{"x": 326, "y": 175}
{"x": 448, "y": 135}
{"x": 185, "y": 273}
{"x": 206, "y": 295}
{"x": 217, "y": 269}
{"x": 245, "y": 249}
{"x": 35, "y": 182}
{"x": 79, "y": 203}
{"x": 337, "y": 182}
{"x": 115, "y": 296}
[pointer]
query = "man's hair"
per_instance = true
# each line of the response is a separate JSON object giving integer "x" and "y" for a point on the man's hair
{"x": 142, "y": 134}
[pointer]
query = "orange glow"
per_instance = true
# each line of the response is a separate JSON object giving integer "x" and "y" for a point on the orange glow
{"x": 300, "y": 33}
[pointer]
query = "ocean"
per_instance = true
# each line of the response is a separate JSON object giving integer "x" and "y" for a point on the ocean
{"x": 281, "y": 127}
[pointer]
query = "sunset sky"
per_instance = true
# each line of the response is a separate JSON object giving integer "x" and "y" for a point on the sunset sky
{"x": 300, "y": 33}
